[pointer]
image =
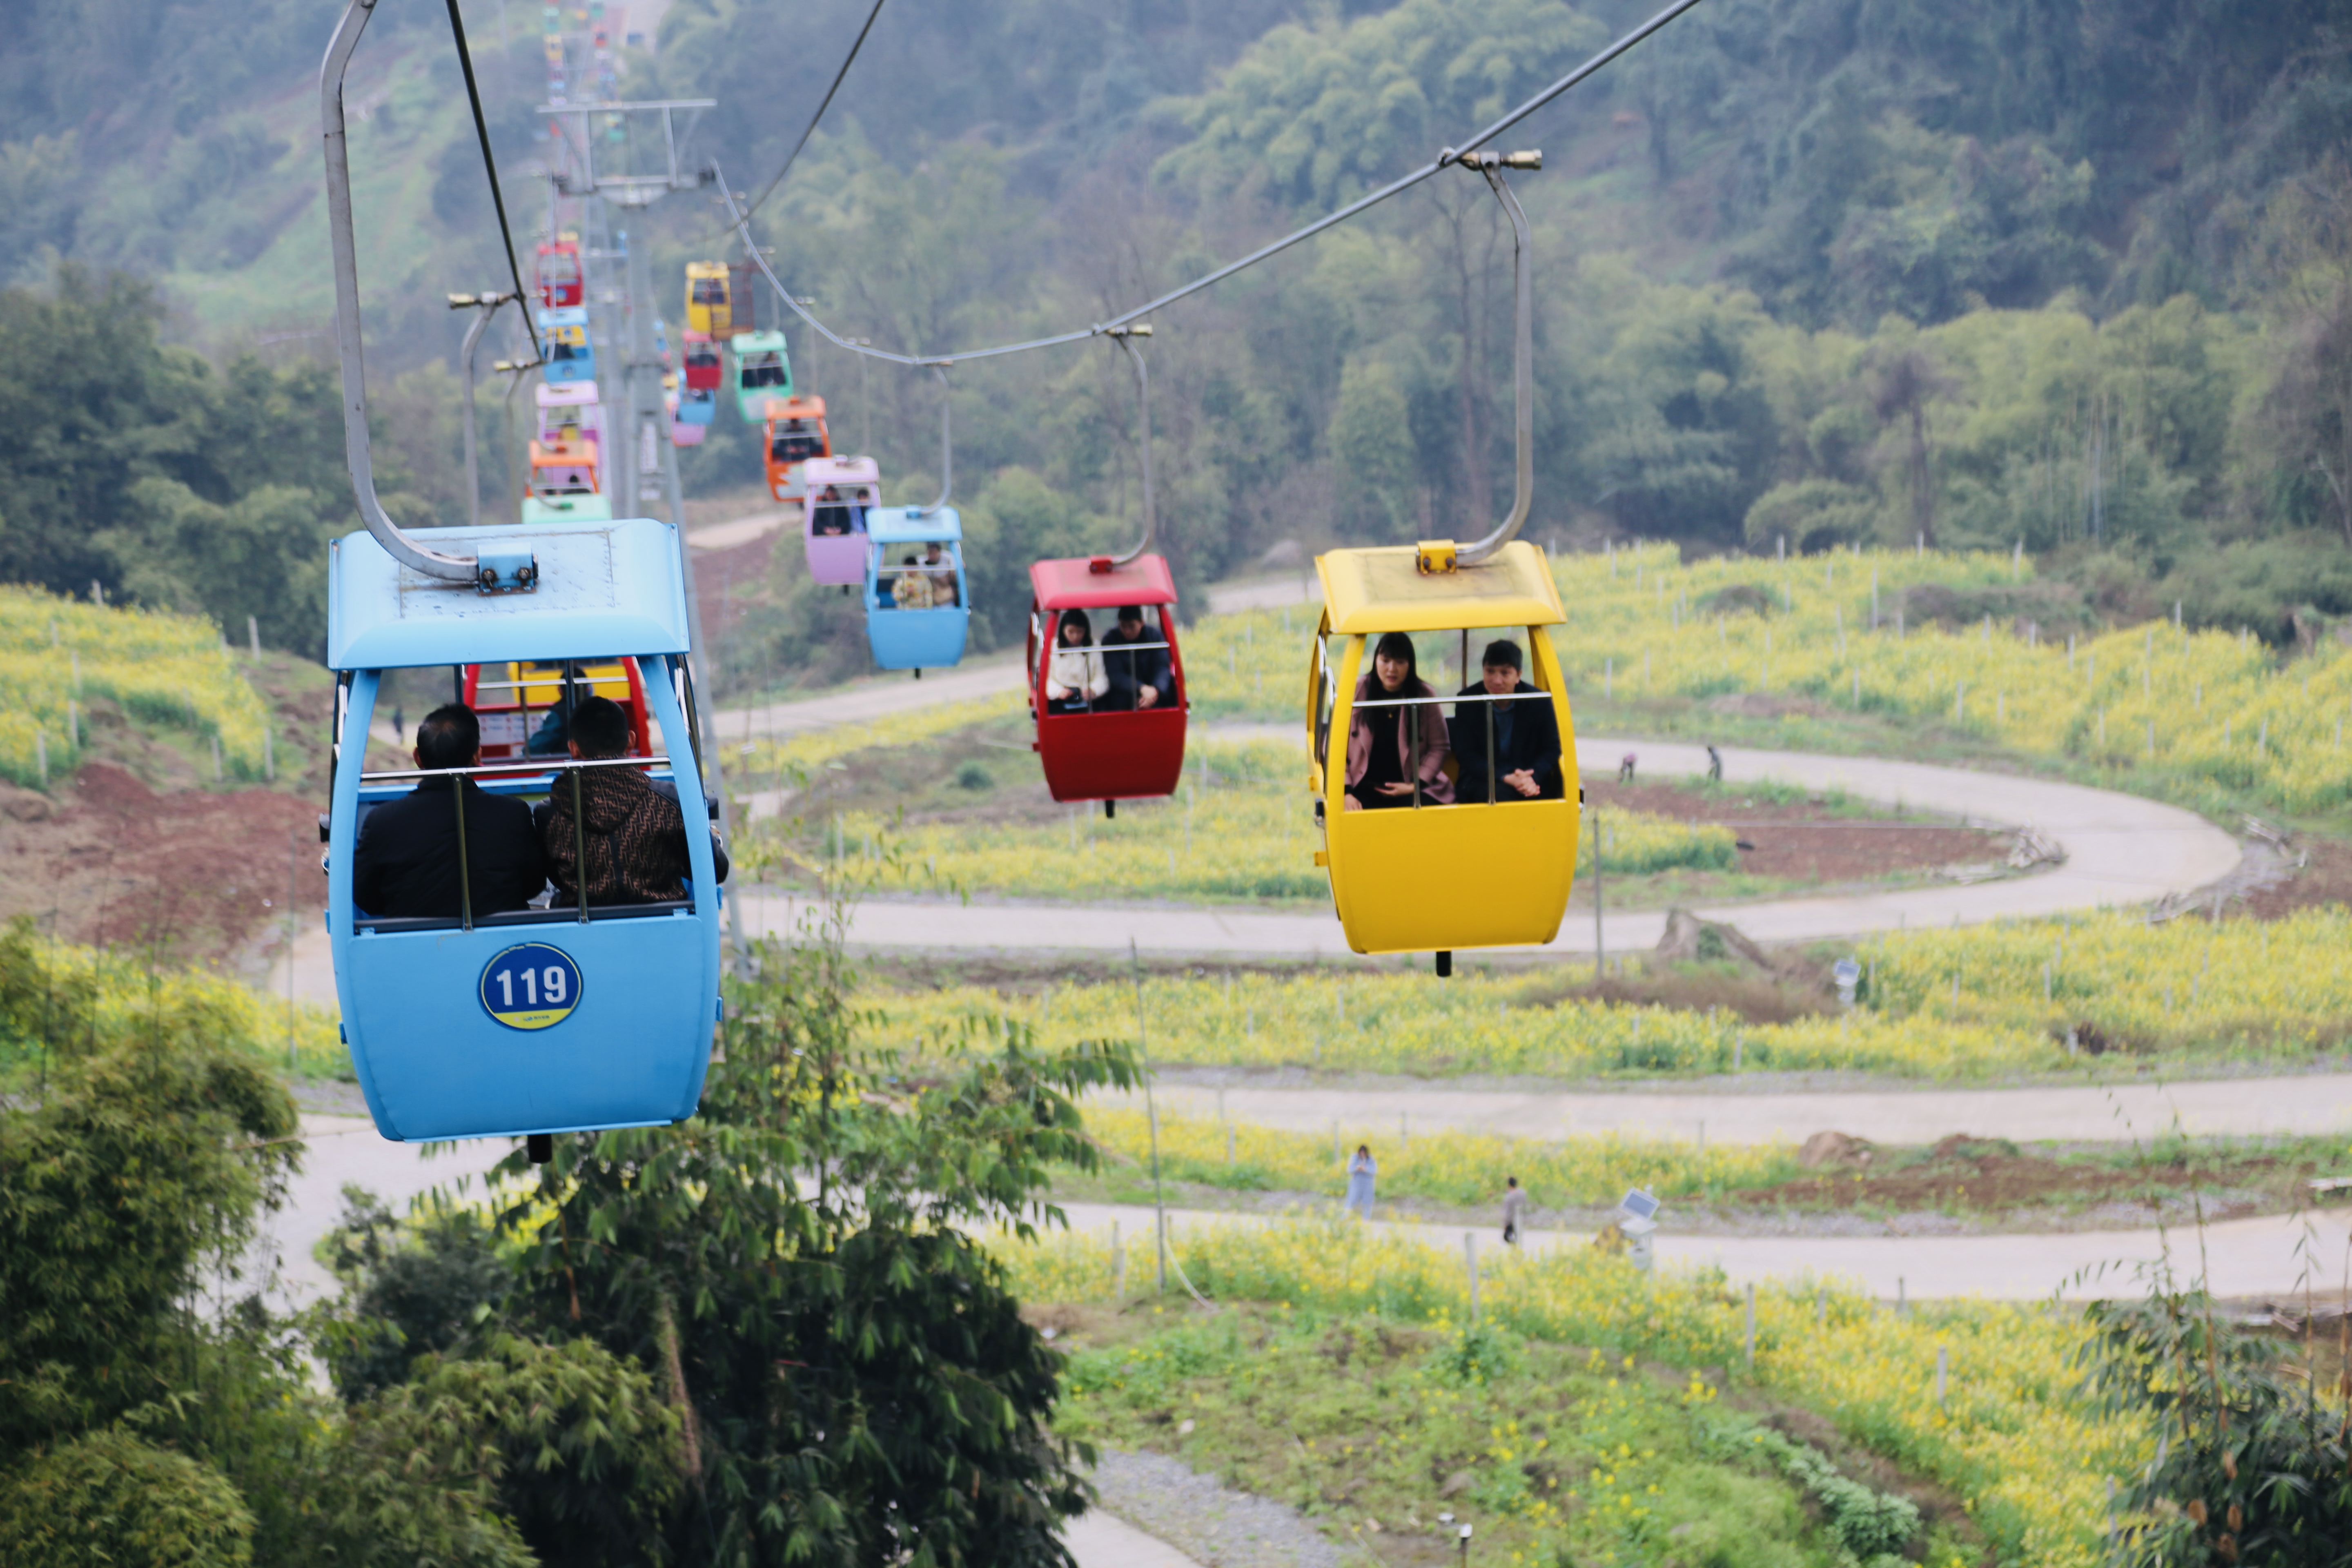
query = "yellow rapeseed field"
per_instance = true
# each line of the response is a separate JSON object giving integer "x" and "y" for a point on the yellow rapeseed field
{"x": 55, "y": 654}
{"x": 1412, "y": 1022}
{"x": 2217, "y": 707}
{"x": 2191, "y": 983}
{"x": 1452, "y": 1167}
{"x": 2188, "y": 990}
{"x": 2031, "y": 1464}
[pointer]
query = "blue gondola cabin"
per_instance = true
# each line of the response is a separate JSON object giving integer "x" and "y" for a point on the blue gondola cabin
{"x": 553, "y": 1018}
{"x": 917, "y": 612}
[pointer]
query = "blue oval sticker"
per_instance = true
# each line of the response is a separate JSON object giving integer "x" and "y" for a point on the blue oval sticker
{"x": 531, "y": 986}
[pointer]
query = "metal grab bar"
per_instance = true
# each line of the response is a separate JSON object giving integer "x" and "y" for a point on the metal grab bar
{"x": 1493, "y": 696}
{"x": 1465, "y": 697}
{"x": 508, "y": 769}
{"x": 549, "y": 680}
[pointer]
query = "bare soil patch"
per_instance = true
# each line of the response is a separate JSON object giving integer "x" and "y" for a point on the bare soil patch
{"x": 143, "y": 848}
{"x": 1994, "y": 1174}
{"x": 192, "y": 873}
{"x": 1815, "y": 839}
{"x": 2324, "y": 877}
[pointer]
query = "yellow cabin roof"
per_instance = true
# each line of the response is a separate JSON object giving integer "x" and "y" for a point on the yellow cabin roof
{"x": 1383, "y": 590}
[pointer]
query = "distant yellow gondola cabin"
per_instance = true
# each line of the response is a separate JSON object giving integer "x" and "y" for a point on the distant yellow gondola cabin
{"x": 1443, "y": 848}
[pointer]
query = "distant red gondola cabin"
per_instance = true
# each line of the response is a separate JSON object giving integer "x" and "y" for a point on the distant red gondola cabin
{"x": 561, "y": 283}
{"x": 1091, "y": 754}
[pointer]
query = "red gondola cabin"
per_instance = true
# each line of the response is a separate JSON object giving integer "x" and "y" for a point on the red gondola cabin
{"x": 1093, "y": 751}
{"x": 561, "y": 284}
{"x": 705, "y": 368}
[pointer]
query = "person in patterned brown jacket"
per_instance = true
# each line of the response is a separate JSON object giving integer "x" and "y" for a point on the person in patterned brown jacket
{"x": 636, "y": 833}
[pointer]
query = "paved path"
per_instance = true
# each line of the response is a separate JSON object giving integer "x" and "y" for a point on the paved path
{"x": 2321, "y": 1103}
{"x": 2247, "y": 1257}
{"x": 744, "y": 530}
{"x": 864, "y": 700}
{"x": 1105, "y": 1541}
{"x": 2121, "y": 850}
{"x": 2243, "y": 1257}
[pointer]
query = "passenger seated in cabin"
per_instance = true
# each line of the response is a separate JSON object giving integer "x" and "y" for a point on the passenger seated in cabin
{"x": 942, "y": 575}
{"x": 1075, "y": 676}
{"x": 1139, "y": 680}
{"x": 634, "y": 831}
{"x": 1393, "y": 750}
{"x": 911, "y": 590}
{"x": 833, "y": 517}
{"x": 405, "y": 863}
{"x": 548, "y": 740}
{"x": 1526, "y": 734}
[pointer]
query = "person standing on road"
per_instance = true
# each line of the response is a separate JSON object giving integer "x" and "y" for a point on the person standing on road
{"x": 1361, "y": 1170}
{"x": 1714, "y": 766}
{"x": 1515, "y": 1209}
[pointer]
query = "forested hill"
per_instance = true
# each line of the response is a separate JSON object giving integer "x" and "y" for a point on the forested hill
{"x": 2073, "y": 272}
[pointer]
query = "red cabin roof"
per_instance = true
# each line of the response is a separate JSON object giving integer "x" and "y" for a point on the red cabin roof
{"x": 1077, "y": 584}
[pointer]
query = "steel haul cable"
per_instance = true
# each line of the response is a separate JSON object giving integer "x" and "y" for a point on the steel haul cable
{"x": 490, "y": 167}
{"x": 739, "y": 219}
{"x": 809, "y": 129}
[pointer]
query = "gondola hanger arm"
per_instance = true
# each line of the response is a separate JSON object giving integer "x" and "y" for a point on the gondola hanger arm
{"x": 1125, "y": 338}
{"x": 1445, "y": 556}
{"x": 358, "y": 458}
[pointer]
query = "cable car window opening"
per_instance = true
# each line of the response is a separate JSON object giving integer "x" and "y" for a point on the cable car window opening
{"x": 506, "y": 782}
{"x": 797, "y": 441}
{"x": 764, "y": 369}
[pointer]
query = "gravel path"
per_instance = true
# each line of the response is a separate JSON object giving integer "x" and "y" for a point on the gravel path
{"x": 1206, "y": 1519}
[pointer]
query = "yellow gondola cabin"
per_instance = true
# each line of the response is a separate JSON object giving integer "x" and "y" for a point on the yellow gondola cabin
{"x": 1434, "y": 874}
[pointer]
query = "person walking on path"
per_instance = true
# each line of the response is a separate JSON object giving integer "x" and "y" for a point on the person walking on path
{"x": 1714, "y": 766}
{"x": 1361, "y": 1170}
{"x": 1515, "y": 1209}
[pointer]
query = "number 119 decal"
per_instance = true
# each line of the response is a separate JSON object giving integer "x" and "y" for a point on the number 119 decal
{"x": 532, "y": 986}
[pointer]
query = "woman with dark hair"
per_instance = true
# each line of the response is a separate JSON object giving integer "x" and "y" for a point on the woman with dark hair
{"x": 1074, "y": 674}
{"x": 1395, "y": 753}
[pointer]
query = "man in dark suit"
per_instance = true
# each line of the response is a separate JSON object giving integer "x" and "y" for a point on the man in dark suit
{"x": 406, "y": 864}
{"x": 1527, "y": 736}
{"x": 1138, "y": 679}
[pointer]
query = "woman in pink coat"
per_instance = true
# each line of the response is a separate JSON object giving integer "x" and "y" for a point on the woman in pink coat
{"x": 1389, "y": 749}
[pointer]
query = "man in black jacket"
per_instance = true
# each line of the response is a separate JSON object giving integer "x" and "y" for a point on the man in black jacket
{"x": 1527, "y": 736}
{"x": 407, "y": 861}
{"x": 1139, "y": 679}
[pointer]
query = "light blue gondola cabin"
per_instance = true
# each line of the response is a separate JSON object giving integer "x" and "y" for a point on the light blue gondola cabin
{"x": 930, "y": 633}
{"x": 542, "y": 1020}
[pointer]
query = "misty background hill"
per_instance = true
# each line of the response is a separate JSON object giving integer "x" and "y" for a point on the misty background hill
{"x": 1808, "y": 271}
